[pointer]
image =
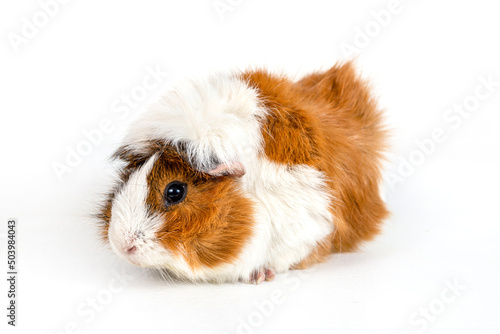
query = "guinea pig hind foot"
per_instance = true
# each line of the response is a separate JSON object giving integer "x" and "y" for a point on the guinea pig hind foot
{"x": 259, "y": 275}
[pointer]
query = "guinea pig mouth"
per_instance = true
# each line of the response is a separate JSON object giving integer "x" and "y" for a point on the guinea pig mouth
{"x": 131, "y": 260}
{"x": 135, "y": 251}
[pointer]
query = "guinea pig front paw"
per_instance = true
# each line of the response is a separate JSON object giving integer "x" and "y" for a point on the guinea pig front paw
{"x": 259, "y": 275}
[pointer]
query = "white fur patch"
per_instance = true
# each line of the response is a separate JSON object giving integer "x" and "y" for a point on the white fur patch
{"x": 297, "y": 204}
{"x": 217, "y": 118}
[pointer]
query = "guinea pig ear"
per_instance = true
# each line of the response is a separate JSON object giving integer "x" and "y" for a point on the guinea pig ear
{"x": 228, "y": 169}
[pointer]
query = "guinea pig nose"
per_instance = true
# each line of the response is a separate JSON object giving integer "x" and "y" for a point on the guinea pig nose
{"x": 130, "y": 249}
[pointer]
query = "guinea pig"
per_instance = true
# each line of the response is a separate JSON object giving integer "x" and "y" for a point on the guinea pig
{"x": 241, "y": 176}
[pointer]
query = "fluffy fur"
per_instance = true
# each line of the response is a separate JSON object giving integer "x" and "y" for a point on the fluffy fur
{"x": 280, "y": 174}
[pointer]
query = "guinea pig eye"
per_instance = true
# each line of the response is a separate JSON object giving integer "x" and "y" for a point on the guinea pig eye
{"x": 174, "y": 193}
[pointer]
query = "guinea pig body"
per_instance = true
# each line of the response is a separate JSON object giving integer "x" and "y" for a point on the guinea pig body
{"x": 242, "y": 176}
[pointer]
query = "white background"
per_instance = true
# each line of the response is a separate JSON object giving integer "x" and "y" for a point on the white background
{"x": 444, "y": 229}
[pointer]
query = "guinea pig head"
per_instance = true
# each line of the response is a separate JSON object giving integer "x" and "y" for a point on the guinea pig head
{"x": 163, "y": 213}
